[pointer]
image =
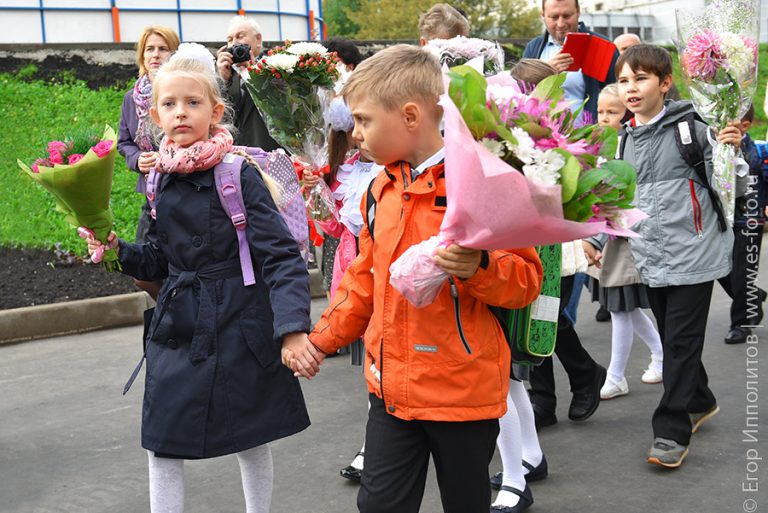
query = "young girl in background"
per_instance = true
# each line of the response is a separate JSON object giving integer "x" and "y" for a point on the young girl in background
{"x": 619, "y": 289}
{"x": 214, "y": 382}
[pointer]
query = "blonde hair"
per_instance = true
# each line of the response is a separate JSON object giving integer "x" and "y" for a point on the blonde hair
{"x": 168, "y": 34}
{"x": 212, "y": 85}
{"x": 396, "y": 75}
{"x": 444, "y": 22}
{"x": 532, "y": 71}
{"x": 611, "y": 89}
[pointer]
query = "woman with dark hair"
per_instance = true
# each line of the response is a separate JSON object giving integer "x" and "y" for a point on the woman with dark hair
{"x": 136, "y": 140}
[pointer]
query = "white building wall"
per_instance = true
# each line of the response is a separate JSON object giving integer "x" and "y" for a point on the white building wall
{"x": 21, "y": 20}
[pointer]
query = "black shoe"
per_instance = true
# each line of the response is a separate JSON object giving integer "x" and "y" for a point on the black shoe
{"x": 537, "y": 473}
{"x": 352, "y": 473}
{"x": 602, "y": 315}
{"x": 737, "y": 335}
{"x": 543, "y": 418}
{"x": 526, "y": 499}
{"x": 496, "y": 479}
{"x": 584, "y": 404}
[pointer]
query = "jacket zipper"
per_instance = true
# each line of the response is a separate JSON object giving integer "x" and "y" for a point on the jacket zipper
{"x": 697, "y": 222}
{"x": 381, "y": 369}
{"x": 457, "y": 311}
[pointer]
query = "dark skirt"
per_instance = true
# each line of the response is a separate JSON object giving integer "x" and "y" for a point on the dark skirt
{"x": 620, "y": 299}
{"x": 143, "y": 227}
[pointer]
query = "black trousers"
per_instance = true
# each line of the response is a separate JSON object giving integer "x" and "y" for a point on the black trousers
{"x": 397, "y": 456}
{"x": 681, "y": 315}
{"x": 740, "y": 284}
{"x": 576, "y": 361}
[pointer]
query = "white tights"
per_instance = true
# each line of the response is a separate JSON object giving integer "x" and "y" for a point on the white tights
{"x": 624, "y": 327}
{"x": 166, "y": 481}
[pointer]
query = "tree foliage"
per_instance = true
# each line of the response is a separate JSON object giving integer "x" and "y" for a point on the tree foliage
{"x": 335, "y": 15}
{"x": 501, "y": 19}
{"x": 393, "y": 19}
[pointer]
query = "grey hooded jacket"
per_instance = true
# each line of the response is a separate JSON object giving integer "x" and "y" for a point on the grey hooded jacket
{"x": 680, "y": 242}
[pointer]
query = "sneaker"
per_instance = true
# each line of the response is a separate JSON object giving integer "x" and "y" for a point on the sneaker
{"x": 667, "y": 453}
{"x": 651, "y": 376}
{"x": 611, "y": 389}
{"x": 697, "y": 419}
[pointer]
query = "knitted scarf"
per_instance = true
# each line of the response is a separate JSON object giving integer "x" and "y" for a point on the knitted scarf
{"x": 142, "y": 98}
{"x": 199, "y": 156}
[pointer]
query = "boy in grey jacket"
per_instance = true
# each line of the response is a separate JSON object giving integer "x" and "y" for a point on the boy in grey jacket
{"x": 682, "y": 248}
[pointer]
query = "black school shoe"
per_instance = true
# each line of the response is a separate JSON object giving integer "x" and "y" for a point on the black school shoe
{"x": 737, "y": 335}
{"x": 352, "y": 473}
{"x": 537, "y": 473}
{"x": 543, "y": 418}
{"x": 525, "y": 502}
{"x": 584, "y": 404}
{"x": 602, "y": 315}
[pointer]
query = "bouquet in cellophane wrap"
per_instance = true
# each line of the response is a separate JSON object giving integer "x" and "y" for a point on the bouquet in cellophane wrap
{"x": 78, "y": 173}
{"x": 519, "y": 172}
{"x": 718, "y": 56}
{"x": 292, "y": 86}
{"x": 460, "y": 50}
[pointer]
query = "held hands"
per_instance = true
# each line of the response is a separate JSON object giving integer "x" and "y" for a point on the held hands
{"x": 301, "y": 356}
{"x": 147, "y": 161}
{"x": 731, "y": 134}
{"x": 561, "y": 61}
{"x": 459, "y": 261}
{"x": 592, "y": 254}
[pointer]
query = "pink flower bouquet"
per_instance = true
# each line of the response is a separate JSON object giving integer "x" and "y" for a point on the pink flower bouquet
{"x": 718, "y": 56}
{"x": 78, "y": 174}
{"x": 518, "y": 173}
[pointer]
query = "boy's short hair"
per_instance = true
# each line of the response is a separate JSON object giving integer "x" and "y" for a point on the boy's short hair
{"x": 396, "y": 75}
{"x": 442, "y": 20}
{"x": 649, "y": 58}
{"x": 750, "y": 114}
{"x": 532, "y": 71}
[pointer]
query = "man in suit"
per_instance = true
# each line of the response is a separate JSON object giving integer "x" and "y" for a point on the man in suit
{"x": 251, "y": 129}
{"x": 561, "y": 17}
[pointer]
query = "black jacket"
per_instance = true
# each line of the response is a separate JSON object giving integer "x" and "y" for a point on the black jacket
{"x": 251, "y": 129}
{"x": 214, "y": 383}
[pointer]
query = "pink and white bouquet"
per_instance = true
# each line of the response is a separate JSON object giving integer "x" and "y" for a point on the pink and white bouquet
{"x": 718, "y": 56}
{"x": 519, "y": 172}
{"x": 460, "y": 50}
{"x": 77, "y": 171}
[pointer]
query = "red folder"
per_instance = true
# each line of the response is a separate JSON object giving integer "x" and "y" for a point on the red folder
{"x": 591, "y": 54}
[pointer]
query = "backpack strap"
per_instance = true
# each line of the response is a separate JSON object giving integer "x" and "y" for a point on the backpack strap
{"x": 692, "y": 153}
{"x": 153, "y": 181}
{"x": 370, "y": 208}
{"x": 228, "y": 186}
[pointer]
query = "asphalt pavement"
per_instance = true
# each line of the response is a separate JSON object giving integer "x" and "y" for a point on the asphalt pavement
{"x": 69, "y": 441}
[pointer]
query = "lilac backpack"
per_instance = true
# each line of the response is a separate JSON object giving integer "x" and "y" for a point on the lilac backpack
{"x": 280, "y": 168}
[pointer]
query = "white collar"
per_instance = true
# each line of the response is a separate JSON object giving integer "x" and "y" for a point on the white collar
{"x": 655, "y": 118}
{"x": 438, "y": 156}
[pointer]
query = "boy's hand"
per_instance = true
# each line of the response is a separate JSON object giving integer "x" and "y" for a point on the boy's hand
{"x": 731, "y": 134}
{"x": 592, "y": 254}
{"x": 459, "y": 261}
{"x": 147, "y": 161}
{"x": 301, "y": 356}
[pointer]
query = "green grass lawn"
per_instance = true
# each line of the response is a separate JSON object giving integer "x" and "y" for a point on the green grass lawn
{"x": 32, "y": 113}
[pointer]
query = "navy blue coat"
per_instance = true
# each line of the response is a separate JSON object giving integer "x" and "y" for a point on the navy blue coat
{"x": 535, "y": 48}
{"x": 214, "y": 383}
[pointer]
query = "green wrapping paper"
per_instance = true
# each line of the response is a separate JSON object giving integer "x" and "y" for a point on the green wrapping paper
{"x": 82, "y": 191}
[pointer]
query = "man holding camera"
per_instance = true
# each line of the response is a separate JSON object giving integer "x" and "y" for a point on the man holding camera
{"x": 243, "y": 47}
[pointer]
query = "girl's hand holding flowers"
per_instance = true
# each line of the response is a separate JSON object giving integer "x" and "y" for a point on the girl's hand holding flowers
{"x": 310, "y": 178}
{"x": 95, "y": 247}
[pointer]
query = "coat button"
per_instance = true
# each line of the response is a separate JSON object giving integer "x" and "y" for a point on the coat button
{"x": 172, "y": 343}
{"x": 197, "y": 241}
{"x": 391, "y": 409}
{"x": 406, "y": 196}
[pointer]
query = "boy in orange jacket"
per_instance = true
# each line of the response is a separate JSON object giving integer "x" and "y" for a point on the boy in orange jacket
{"x": 438, "y": 376}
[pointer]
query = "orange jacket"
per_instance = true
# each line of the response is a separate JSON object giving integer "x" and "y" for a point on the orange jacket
{"x": 415, "y": 358}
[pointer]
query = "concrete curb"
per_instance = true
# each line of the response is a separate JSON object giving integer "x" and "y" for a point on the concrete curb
{"x": 34, "y": 322}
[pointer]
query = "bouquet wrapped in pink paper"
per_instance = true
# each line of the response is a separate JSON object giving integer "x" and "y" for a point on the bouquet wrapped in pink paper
{"x": 78, "y": 173}
{"x": 718, "y": 56}
{"x": 518, "y": 173}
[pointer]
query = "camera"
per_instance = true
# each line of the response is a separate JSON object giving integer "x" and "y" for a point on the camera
{"x": 240, "y": 52}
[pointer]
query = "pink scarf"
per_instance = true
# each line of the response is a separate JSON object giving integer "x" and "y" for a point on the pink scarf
{"x": 199, "y": 156}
